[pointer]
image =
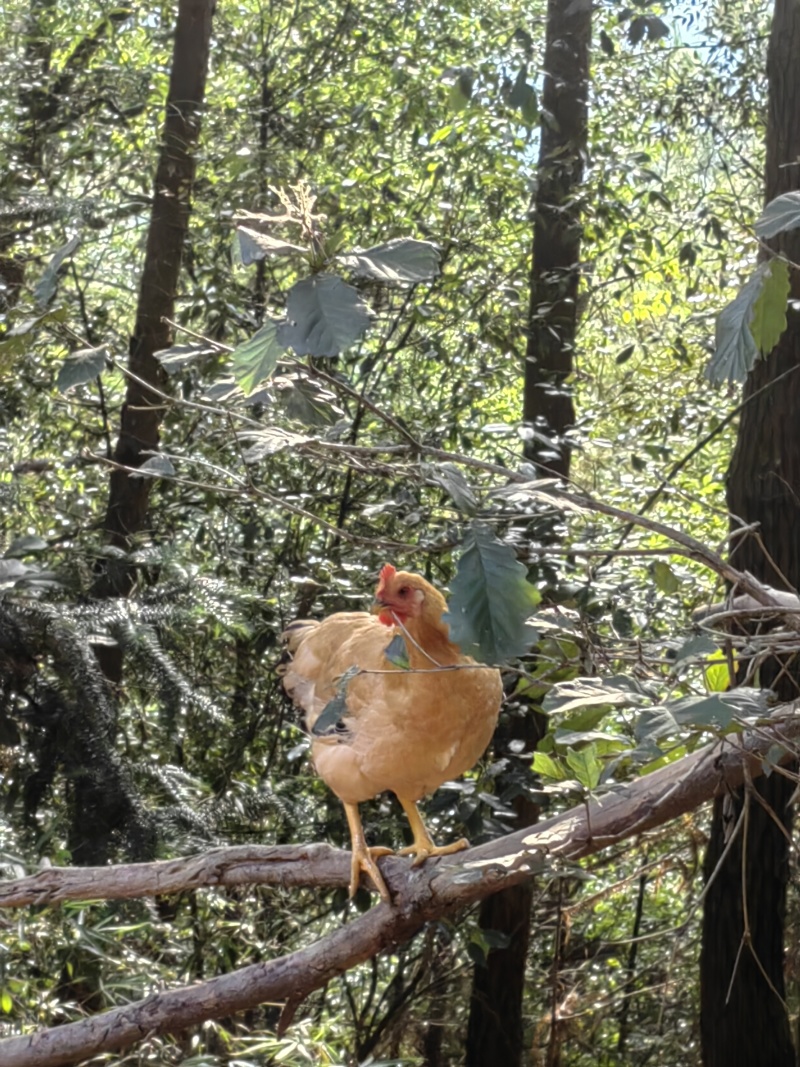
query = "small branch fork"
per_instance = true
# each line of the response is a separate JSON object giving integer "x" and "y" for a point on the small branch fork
{"x": 420, "y": 894}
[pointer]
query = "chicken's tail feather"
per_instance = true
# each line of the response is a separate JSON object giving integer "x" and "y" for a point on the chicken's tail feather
{"x": 291, "y": 639}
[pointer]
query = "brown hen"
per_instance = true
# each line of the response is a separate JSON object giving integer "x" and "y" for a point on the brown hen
{"x": 401, "y": 729}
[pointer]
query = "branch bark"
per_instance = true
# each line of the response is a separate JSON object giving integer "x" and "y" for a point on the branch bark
{"x": 419, "y": 894}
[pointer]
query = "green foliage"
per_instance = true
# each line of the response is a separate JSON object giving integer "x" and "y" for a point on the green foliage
{"x": 490, "y": 600}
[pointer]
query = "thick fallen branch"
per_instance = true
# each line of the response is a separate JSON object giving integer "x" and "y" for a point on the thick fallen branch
{"x": 419, "y": 894}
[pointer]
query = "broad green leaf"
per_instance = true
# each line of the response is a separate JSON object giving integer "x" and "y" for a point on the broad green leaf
{"x": 325, "y": 316}
{"x": 585, "y": 765}
{"x": 654, "y": 724}
{"x": 780, "y": 215}
{"x": 491, "y": 600}
{"x": 664, "y": 577}
{"x": 45, "y": 288}
{"x": 769, "y": 313}
{"x": 736, "y": 351}
{"x": 397, "y": 653}
{"x": 402, "y": 260}
{"x": 616, "y": 691}
{"x": 257, "y": 358}
{"x": 548, "y": 767}
{"x": 81, "y": 367}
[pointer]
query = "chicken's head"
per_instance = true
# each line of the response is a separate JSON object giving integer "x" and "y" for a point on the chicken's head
{"x": 403, "y": 597}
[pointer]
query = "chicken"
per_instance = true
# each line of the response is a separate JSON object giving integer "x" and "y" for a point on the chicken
{"x": 395, "y": 727}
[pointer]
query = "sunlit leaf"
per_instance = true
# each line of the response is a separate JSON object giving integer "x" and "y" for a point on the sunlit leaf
{"x": 780, "y": 215}
{"x": 585, "y": 765}
{"x": 664, "y": 577}
{"x": 254, "y": 246}
{"x": 548, "y": 767}
{"x": 257, "y": 358}
{"x": 736, "y": 350}
{"x": 769, "y": 313}
{"x": 400, "y": 260}
{"x": 81, "y": 367}
{"x": 45, "y": 288}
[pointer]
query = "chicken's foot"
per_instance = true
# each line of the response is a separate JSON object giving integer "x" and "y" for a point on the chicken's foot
{"x": 363, "y": 857}
{"x": 423, "y": 845}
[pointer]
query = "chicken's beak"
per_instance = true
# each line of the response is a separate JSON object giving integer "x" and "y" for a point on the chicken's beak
{"x": 377, "y": 606}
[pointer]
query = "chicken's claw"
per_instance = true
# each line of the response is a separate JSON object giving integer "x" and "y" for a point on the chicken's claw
{"x": 423, "y": 845}
{"x": 421, "y": 850}
{"x": 363, "y": 857}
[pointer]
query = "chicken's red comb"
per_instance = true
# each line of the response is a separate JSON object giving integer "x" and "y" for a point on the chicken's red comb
{"x": 387, "y": 573}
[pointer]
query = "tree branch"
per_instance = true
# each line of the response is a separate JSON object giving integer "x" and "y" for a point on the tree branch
{"x": 419, "y": 894}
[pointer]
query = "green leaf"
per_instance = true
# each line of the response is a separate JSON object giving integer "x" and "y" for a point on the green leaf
{"x": 547, "y": 767}
{"x": 664, "y": 577}
{"x": 780, "y": 215}
{"x": 617, "y": 691}
{"x": 585, "y": 765}
{"x": 402, "y": 260}
{"x": 452, "y": 480}
{"x": 157, "y": 466}
{"x": 306, "y": 401}
{"x": 491, "y": 600}
{"x": 254, "y": 246}
{"x": 736, "y": 351}
{"x": 461, "y": 90}
{"x": 6, "y": 1003}
{"x": 523, "y": 97}
{"x": 397, "y": 653}
{"x": 45, "y": 288}
{"x": 717, "y": 673}
{"x": 325, "y": 316}
{"x": 257, "y": 358}
{"x": 268, "y": 441}
{"x": 769, "y": 312}
{"x": 175, "y": 358}
{"x": 81, "y": 367}
{"x": 336, "y": 708}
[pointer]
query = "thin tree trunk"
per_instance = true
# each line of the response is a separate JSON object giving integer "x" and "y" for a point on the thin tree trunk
{"x": 143, "y": 410}
{"x": 548, "y": 410}
{"x": 743, "y": 1018}
{"x": 495, "y": 1032}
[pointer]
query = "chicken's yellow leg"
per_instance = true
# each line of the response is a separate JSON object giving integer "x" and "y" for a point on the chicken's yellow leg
{"x": 363, "y": 858}
{"x": 423, "y": 842}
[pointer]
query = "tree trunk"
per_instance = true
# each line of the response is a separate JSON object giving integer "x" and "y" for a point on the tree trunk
{"x": 143, "y": 409}
{"x": 548, "y": 410}
{"x": 743, "y": 1018}
{"x": 495, "y": 1032}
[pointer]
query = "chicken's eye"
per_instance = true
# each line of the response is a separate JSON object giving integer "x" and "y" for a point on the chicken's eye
{"x": 404, "y": 591}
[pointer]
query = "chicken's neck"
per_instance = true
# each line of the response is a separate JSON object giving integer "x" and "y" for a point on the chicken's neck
{"x": 430, "y": 645}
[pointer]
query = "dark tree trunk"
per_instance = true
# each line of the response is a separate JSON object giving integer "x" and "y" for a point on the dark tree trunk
{"x": 743, "y": 1019}
{"x": 548, "y": 411}
{"x": 143, "y": 410}
{"x": 495, "y": 1032}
